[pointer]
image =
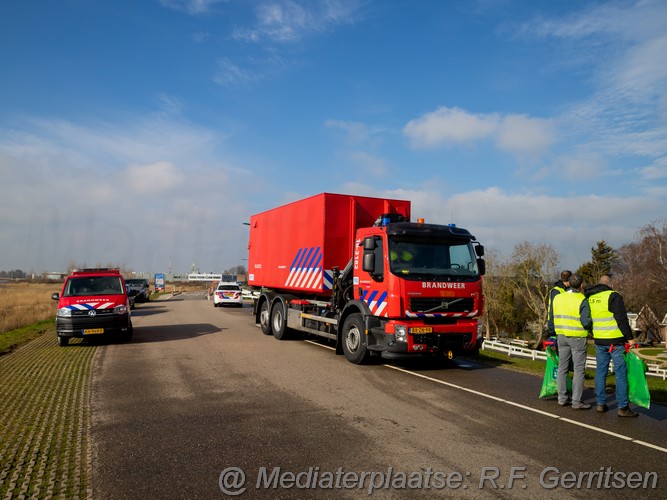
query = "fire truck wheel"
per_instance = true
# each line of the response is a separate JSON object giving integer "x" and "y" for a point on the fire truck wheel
{"x": 63, "y": 341}
{"x": 264, "y": 318}
{"x": 278, "y": 322}
{"x": 354, "y": 340}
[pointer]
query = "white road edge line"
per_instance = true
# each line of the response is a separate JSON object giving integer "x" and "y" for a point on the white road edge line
{"x": 518, "y": 405}
{"x": 528, "y": 408}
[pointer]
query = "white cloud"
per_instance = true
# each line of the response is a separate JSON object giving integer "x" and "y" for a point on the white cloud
{"x": 522, "y": 135}
{"x": 658, "y": 170}
{"x": 640, "y": 71}
{"x": 517, "y": 134}
{"x": 501, "y": 219}
{"x": 621, "y": 46}
{"x": 169, "y": 104}
{"x": 251, "y": 70}
{"x": 138, "y": 193}
{"x": 140, "y": 140}
{"x": 449, "y": 126}
{"x": 229, "y": 73}
{"x": 290, "y": 20}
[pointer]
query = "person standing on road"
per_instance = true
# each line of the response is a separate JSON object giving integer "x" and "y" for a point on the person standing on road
{"x": 611, "y": 330}
{"x": 571, "y": 327}
{"x": 559, "y": 287}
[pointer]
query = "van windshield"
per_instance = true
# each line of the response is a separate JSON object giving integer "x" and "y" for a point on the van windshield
{"x": 93, "y": 285}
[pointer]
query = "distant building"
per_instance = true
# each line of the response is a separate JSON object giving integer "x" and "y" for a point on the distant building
{"x": 56, "y": 276}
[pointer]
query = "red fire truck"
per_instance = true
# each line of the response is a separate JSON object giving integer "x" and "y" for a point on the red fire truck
{"x": 355, "y": 270}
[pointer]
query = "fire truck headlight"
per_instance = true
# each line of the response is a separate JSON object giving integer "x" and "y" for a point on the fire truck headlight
{"x": 64, "y": 312}
{"x": 480, "y": 329}
{"x": 401, "y": 333}
{"x": 120, "y": 309}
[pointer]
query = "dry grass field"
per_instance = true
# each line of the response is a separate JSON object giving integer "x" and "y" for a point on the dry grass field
{"x": 22, "y": 304}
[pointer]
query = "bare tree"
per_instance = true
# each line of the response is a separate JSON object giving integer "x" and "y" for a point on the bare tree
{"x": 498, "y": 295}
{"x": 534, "y": 266}
{"x": 642, "y": 272}
{"x": 236, "y": 270}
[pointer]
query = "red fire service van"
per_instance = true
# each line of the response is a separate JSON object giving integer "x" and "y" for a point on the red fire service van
{"x": 355, "y": 270}
{"x": 92, "y": 303}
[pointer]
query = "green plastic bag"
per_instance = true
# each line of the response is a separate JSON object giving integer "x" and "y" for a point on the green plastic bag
{"x": 637, "y": 387}
{"x": 550, "y": 382}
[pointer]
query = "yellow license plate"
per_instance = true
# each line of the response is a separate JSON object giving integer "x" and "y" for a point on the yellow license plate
{"x": 421, "y": 329}
{"x": 93, "y": 331}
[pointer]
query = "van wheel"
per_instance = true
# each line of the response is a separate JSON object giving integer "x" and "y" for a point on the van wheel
{"x": 354, "y": 340}
{"x": 63, "y": 341}
{"x": 264, "y": 319}
{"x": 278, "y": 323}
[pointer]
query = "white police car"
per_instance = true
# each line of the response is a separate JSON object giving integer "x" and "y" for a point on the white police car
{"x": 228, "y": 293}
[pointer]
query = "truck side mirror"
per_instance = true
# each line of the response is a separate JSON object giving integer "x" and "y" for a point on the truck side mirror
{"x": 481, "y": 265}
{"x": 55, "y": 296}
{"x": 368, "y": 262}
{"x": 372, "y": 257}
{"x": 479, "y": 250}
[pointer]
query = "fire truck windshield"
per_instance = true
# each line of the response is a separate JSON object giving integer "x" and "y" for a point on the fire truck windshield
{"x": 432, "y": 259}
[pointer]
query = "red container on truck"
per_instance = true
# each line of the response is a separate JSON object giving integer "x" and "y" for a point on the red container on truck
{"x": 354, "y": 269}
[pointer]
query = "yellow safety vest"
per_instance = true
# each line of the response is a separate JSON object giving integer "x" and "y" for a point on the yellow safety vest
{"x": 567, "y": 320}
{"x": 604, "y": 324}
{"x": 560, "y": 290}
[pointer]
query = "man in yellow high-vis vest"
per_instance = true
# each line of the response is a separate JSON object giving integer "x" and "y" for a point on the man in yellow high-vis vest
{"x": 559, "y": 287}
{"x": 611, "y": 331}
{"x": 566, "y": 321}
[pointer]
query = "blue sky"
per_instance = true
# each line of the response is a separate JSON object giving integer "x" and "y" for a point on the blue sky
{"x": 144, "y": 132}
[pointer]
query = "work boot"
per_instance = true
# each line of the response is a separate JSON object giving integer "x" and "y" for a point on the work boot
{"x": 581, "y": 406}
{"x": 627, "y": 412}
{"x": 602, "y": 408}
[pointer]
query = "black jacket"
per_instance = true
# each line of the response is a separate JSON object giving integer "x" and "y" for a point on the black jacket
{"x": 617, "y": 308}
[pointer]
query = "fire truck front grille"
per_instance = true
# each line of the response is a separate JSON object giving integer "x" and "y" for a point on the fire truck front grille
{"x": 441, "y": 305}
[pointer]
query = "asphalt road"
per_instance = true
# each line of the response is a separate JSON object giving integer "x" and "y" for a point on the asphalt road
{"x": 200, "y": 390}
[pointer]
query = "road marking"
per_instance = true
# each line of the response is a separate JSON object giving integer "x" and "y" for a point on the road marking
{"x": 528, "y": 408}
{"x": 518, "y": 405}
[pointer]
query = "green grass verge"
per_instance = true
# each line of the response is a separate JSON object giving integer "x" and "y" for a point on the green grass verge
{"x": 651, "y": 351}
{"x": 657, "y": 387}
{"x": 16, "y": 338}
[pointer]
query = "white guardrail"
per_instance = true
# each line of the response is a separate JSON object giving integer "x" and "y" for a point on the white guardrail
{"x": 518, "y": 348}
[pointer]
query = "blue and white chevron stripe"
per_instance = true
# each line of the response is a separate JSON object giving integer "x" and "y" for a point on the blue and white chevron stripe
{"x": 306, "y": 270}
{"x": 377, "y": 302}
{"x": 95, "y": 305}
